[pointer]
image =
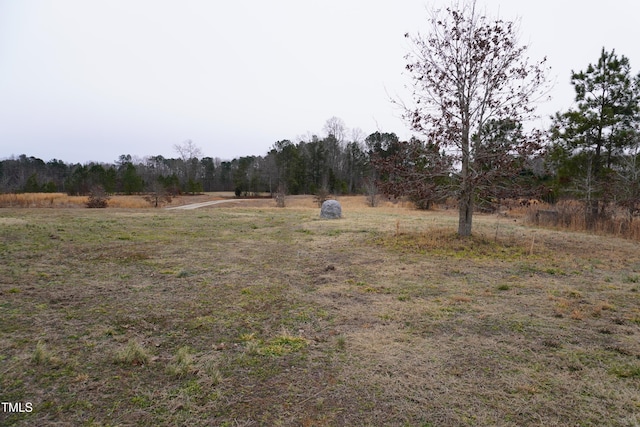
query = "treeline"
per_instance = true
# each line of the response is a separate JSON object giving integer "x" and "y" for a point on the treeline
{"x": 333, "y": 163}
{"x": 379, "y": 163}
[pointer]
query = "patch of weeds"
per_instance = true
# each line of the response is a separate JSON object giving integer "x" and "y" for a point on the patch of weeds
{"x": 252, "y": 347}
{"x": 283, "y": 344}
{"x": 457, "y": 299}
{"x": 386, "y": 317}
{"x": 42, "y": 356}
{"x": 375, "y": 290}
{"x": 631, "y": 278}
{"x": 247, "y": 337}
{"x": 577, "y": 314}
{"x": 532, "y": 269}
{"x": 211, "y": 371}
{"x": 109, "y": 332}
{"x": 503, "y": 287}
{"x": 183, "y": 273}
{"x": 573, "y": 293}
{"x": 518, "y": 326}
{"x": 192, "y": 388}
{"x": 303, "y": 231}
{"x": 555, "y": 271}
{"x": 626, "y": 371}
{"x": 132, "y": 354}
{"x": 602, "y": 306}
{"x": 182, "y": 363}
{"x": 202, "y": 321}
{"x": 134, "y": 257}
{"x": 141, "y": 401}
{"x": 527, "y": 268}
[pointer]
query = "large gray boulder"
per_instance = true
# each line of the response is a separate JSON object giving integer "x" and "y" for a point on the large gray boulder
{"x": 331, "y": 209}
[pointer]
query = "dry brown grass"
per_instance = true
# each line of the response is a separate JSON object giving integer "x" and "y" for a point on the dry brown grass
{"x": 62, "y": 200}
{"x": 41, "y": 200}
{"x": 570, "y": 215}
{"x": 266, "y": 316}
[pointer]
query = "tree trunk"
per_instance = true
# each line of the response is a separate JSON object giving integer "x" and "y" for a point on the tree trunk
{"x": 465, "y": 212}
{"x": 465, "y": 203}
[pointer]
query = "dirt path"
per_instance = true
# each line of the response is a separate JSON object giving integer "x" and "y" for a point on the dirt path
{"x": 203, "y": 204}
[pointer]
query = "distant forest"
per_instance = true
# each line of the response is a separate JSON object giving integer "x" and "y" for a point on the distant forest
{"x": 332, "y": 163}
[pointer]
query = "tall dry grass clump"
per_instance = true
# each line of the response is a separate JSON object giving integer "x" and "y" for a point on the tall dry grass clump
{"x": 572, "y": 215}
{"x": 132, "y": 354}
{"x": 41, "y": 200}
{"x": 62, "y": 200}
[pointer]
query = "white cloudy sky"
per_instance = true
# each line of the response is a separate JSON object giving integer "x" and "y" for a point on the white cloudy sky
{"x": 89, "y": 80}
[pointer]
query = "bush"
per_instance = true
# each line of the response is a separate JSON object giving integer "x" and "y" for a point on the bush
{"x": 98, "y": 198}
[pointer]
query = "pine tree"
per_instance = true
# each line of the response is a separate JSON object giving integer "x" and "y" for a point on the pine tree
{"x": 590, "y": 138}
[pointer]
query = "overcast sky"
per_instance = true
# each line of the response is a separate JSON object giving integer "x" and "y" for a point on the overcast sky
{"x": 89, "y": 80}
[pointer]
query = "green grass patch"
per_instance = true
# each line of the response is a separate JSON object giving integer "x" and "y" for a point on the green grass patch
{"x": 282, "y": 345}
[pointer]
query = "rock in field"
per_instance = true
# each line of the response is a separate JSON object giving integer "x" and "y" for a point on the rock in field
{"x": 331, "y": 209}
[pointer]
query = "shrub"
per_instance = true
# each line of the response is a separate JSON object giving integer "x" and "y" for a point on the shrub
{"x": 98, "y": 198}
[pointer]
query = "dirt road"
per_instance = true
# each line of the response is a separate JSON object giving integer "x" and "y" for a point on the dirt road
{"x": 203, "y": 204}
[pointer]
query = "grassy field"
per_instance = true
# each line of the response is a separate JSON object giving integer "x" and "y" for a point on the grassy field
{"x": 249, "y": 315}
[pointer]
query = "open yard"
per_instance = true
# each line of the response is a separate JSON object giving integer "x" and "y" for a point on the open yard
{"x": 250, "y": 315}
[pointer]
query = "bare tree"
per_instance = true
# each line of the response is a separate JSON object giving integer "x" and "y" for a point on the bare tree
{"x": 190, "y": 154}
{"x": 334, "y": 145}
{"x": 371, "y": 192}
{"x": 335, "y": 127}
{"x": 158, "y": 195}
{"x": 188, "y": 150}
{"x": 468, "y": 72}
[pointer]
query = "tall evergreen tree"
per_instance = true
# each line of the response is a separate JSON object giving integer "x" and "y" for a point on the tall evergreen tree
{"x": 589, "y": 138}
